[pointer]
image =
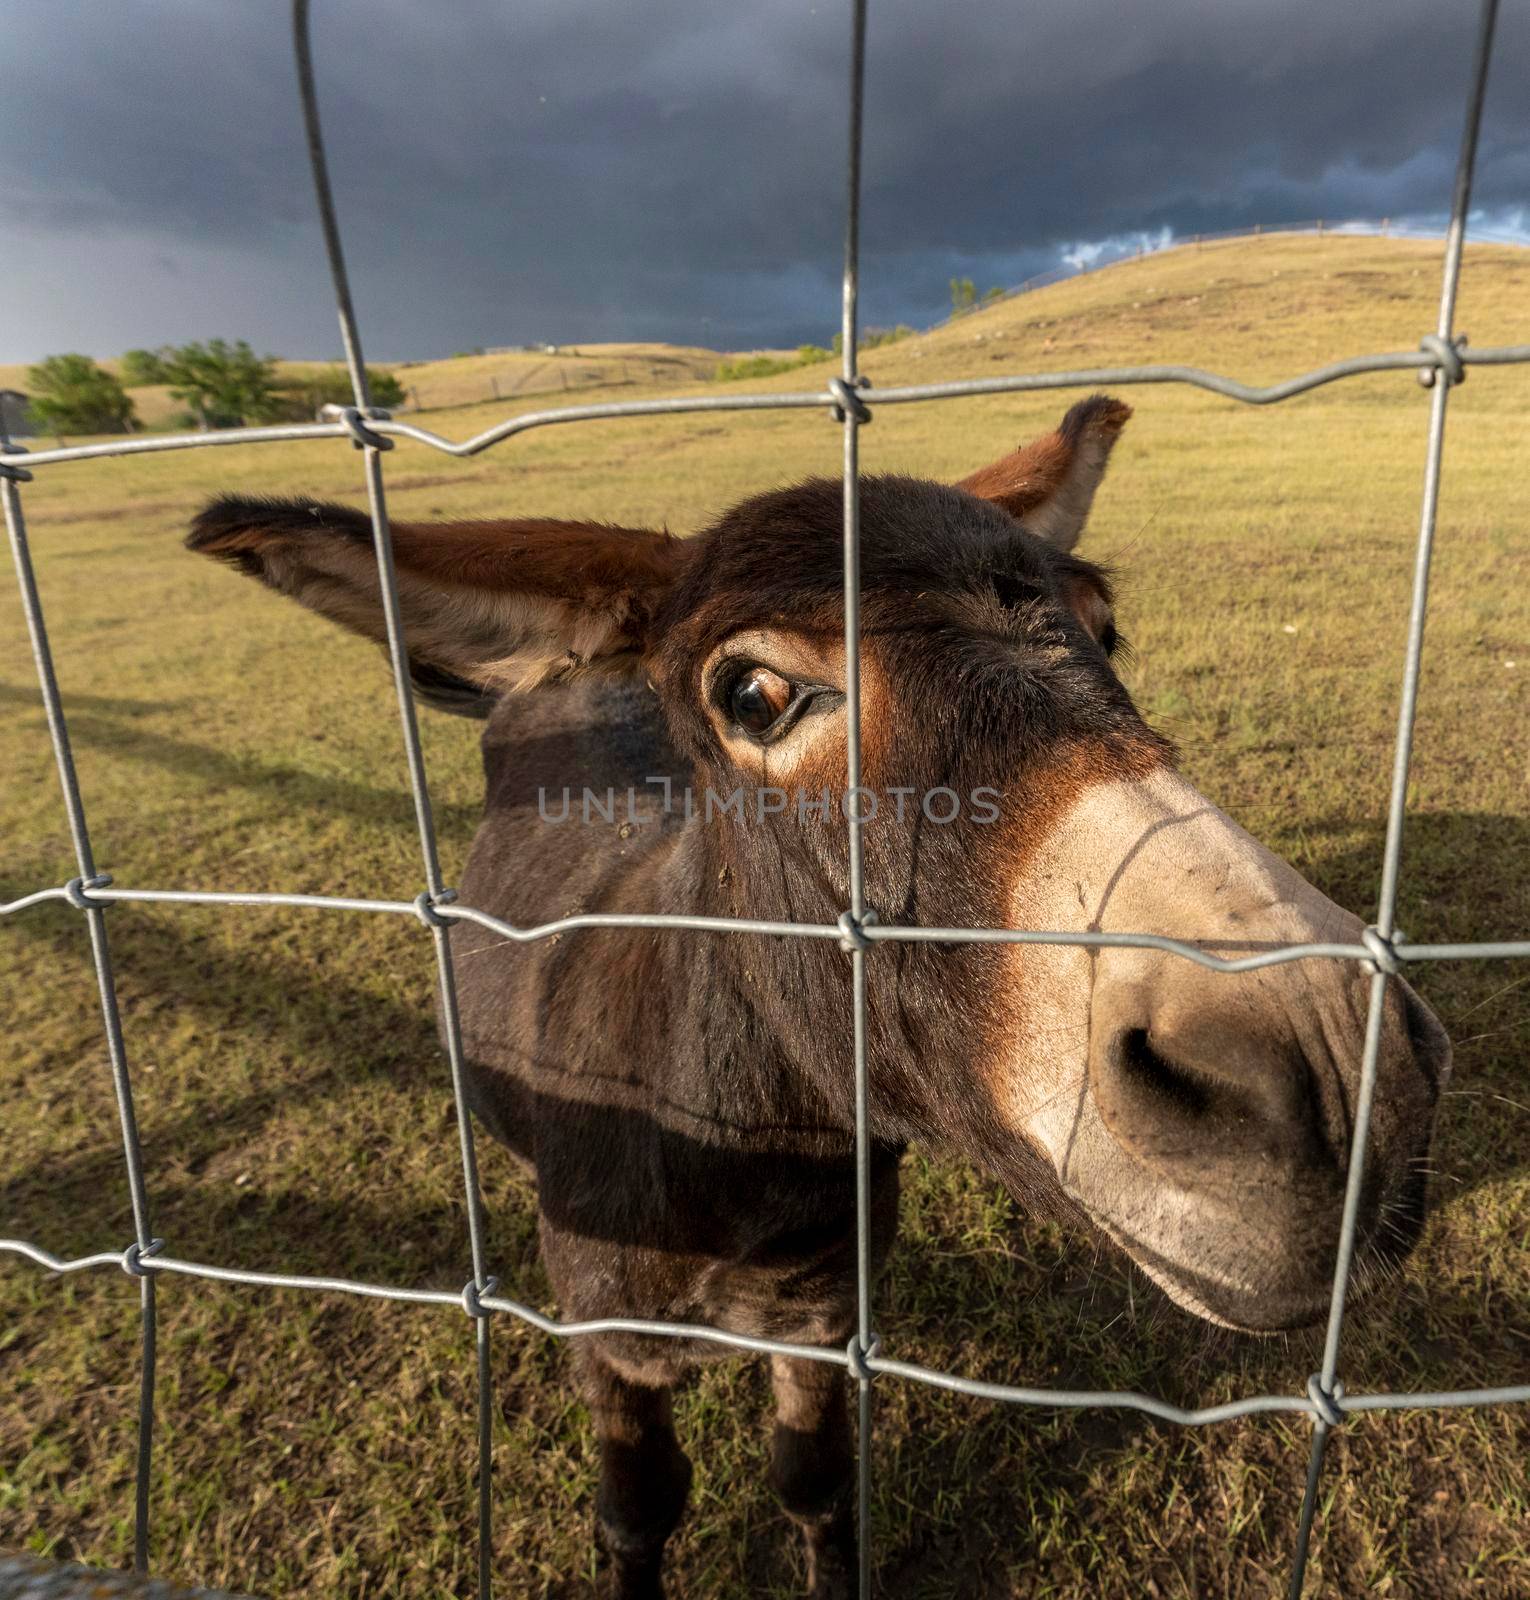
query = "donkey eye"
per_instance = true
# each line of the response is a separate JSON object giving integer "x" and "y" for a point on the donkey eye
{"x": 758, "y": 697}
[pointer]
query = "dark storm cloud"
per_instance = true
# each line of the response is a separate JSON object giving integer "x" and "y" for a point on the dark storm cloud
{"x": 675, "y": 170}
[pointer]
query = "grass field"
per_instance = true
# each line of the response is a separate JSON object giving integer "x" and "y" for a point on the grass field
{"x": 295, "y": 1106}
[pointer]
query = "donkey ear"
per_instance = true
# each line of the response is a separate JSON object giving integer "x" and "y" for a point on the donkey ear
{"x": 1049, "y": 483}
{"x": 486, "y": 606}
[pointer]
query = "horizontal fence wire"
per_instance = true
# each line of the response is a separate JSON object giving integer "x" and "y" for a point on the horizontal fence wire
{"x": 1424, "y": 361}
{"x": 1440, "y": 362}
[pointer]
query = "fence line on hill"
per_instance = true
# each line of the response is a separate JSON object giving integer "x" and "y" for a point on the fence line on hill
{"x": 1441, "y": 363}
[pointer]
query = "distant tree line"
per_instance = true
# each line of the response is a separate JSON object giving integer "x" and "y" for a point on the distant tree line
{"x": 221, "y": 384}
{"x": 224, "y": 384}
{"x": 806, "y": 355}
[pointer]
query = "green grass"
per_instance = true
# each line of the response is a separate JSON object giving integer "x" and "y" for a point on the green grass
{"x": 296, "y": 1111}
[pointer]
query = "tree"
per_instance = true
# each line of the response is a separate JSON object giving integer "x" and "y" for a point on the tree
{"x": 71, "y": 394}
{"x": 142, "y": 367}
{"x": 299, "y": 399}
{"x": 963, "y": 295}
{"x": 224, "y": 384}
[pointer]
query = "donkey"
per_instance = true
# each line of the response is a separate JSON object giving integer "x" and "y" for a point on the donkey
{"x": 686, "y": 1101}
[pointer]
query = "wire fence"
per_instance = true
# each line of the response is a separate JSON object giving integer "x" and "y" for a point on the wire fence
{"x": 1441, "y": 362}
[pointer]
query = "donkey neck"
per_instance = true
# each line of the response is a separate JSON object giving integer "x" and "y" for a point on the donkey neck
{"x": 680, "y": 1025}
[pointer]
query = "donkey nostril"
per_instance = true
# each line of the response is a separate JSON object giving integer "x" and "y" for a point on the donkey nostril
{"x": 1222, "y": 1096}
{"x": 1174, "y": 1087}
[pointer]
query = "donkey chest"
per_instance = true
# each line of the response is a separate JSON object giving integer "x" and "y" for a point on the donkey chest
{"x": 798, "y": 1287}
{"x": 773, "y": 1260}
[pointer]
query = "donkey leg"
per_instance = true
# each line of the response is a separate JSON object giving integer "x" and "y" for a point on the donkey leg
{"x": 644, "y": 1479}
{"x": 812, "y": 1468}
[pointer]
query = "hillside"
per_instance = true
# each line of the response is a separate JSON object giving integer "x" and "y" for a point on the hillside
{"x": 469, "y": 380}
{"x": 1258, "y": 308}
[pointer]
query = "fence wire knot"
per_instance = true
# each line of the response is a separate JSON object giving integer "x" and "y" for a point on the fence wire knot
{"x": 471, "y": 1292}
{"x": 851, "y": 933}
{"x": 858, "y": 1356}
{"x": 1326, "y": 1400}
{"x": 425, "y": 904}
{"x": 1447, "y": 355}
{"x": 847, "y": 400}
{"x": 75, "y": 891}
{"x": 361, "y": 434}
{"x": 133, "y": 1257}
{"x": 1384, "y": 956}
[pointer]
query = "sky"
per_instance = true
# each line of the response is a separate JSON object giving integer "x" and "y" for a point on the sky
{"x": 583, "y": 170}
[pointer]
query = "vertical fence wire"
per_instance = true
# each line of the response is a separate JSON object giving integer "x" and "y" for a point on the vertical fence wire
{"x": 435, "y": 893}
{"x": 1441, "y": 364}
{"x": 1385, "y": 965}
{"x": 852, "y": 412}
{"x": 106, "y": 984}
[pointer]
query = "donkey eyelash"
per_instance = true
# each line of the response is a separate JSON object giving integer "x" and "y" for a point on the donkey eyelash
{"x": 1117, "y": 647}
{"x": 806, "y": 699}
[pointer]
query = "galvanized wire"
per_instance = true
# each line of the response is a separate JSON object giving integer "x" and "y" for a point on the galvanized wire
{"x": 101, "y": 958}
{"x": 1391, "y": 857}
{"x": 851, "y": 411}
{"x": 1441, "y": 361}
{"x": 435, "y": 893}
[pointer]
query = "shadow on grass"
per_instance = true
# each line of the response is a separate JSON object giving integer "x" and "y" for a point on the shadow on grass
{"x": 331, "y": 1035}
{"x": 1048, "y": 1311}
{"x": 108, "y": 705}
{"x": 293, "y": 787}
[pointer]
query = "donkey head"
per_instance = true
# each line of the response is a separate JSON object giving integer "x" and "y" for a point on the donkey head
{"x": 1200, "y": 1120}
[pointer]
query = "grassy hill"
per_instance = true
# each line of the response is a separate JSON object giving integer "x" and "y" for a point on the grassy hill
{"x": 294, "y": 1104}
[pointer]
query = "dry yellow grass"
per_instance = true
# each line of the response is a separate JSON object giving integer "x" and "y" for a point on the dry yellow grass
{"x": 294, "y": 1105}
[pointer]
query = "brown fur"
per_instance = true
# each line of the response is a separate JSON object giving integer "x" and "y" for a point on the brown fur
{"x": 503, "y": 605}
{"x": 686, "y": 1100}
{"x": 1053, "y": 478}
